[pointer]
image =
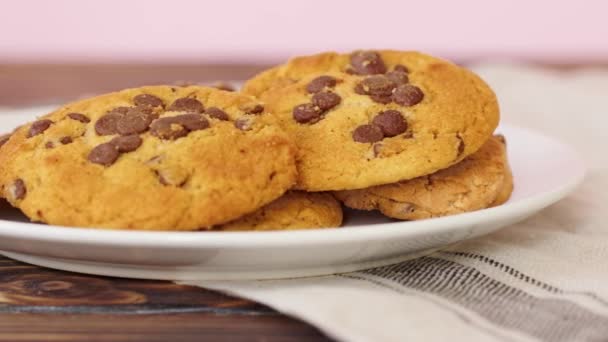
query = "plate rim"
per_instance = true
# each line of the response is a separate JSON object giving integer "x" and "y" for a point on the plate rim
{"x": 317, "y": 237}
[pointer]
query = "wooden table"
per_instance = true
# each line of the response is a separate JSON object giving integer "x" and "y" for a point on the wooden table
{"x": 38, "y": 304}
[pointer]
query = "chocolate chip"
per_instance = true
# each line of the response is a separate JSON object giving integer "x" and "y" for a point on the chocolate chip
{"x": 119, "y": 110}
{"x": 367, "y": 63}
{"x": 391, "y": 122}
{"x": 186, "y": 104}
{"x": 217, "y": 113}
{"x": 359, "y": 89}
{"x": 107, "y": 124}
{"x": 137, "y": 120}
{"x": 244, "y": 123}
{"x": 66, "y": 140}
{"x": 104, "y": 154}
{"x": 499, "y": 137}
{"x": 306, "y": 113}
{"x": 379, "y": 85}
{"x": 253, "y": 109}
{"x": 461, "y": 145}
{"x": 127, "y": 143}
{"x": 192, "y": 122}
{"x": 39, "y": 127}
{"x": 175, "y": 127}
{"x": 408, "y": 95}
{"x": 4, "y": 139}
{"x": 398, "y": 77}
{"x": 49, "y": 145}
{"x": 402, "y": 68}
{"x": 460, "y": 148}
{"x": 320, "y": 83}
{"x": 172, "y": 176}
{"x": 168, "y": 129}
{"x": 367, "y": 134}
{"x": 326, "y": 100}
{"x": 79, "y": 117}
{"x": 147, "y": 100}
{"x": 19, "y": 189}
{"x": 384, "y": 99}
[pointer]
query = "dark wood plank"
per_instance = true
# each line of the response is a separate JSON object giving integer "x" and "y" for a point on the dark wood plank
{"x": 25, "y": 288}
{"x": 172, "y": 327}
{"x": 38, "y": 304}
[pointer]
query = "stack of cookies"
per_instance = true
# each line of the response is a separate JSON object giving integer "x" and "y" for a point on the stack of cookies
{"x": 404, "y": 133}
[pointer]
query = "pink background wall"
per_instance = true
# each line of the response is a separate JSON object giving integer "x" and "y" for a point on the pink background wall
{"x": 268, "y": 30}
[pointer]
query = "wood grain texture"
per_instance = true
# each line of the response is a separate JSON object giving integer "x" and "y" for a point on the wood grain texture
{"x": 31, "y": 84}
{"x": 23, "y": 285}
{"x": 165, "y": 328}
{"x": 38, "y": 304}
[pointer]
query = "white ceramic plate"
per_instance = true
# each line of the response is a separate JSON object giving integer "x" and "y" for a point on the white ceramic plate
{"x": 545, "y": 171}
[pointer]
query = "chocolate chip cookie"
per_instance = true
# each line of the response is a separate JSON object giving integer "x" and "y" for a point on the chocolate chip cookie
{"x": 376, "y": 117}
{"x": 157, "y": 158}
{"x": 479, "y": 181}
{"x": 294, "y": 210}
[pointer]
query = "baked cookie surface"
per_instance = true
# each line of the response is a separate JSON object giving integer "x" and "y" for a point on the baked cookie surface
{"x": 294, "y": 210}
{"x": 376, "y": 117}
{"x": 480, "y": 181}
{"x": 158, "y": 158}
{"x": 508, "y": 185}
{"x": 4, "y": 139}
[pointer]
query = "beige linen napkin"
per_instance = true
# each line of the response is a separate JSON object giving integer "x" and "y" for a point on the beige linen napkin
{"x": 543, "y": 279}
